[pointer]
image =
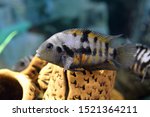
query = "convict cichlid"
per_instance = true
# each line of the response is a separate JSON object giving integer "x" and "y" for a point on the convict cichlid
{"x": 141, "y": 64}
{"x": 77, "y": 48}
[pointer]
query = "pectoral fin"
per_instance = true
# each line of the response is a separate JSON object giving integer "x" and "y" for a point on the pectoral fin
{"x": 67, "y": 62}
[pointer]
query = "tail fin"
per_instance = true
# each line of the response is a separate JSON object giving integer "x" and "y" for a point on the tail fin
{"x": 126, "y": 55}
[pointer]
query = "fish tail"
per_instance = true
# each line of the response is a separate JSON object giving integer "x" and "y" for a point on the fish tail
{"x": 125, "y": 55}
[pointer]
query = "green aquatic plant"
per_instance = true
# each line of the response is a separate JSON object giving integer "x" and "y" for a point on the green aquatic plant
{"x": 7, "y": 40}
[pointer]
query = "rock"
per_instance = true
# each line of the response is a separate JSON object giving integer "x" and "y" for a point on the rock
{"x": 69, "y": 85}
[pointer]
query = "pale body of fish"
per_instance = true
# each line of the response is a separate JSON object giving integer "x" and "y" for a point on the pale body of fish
{"x": 141, "y": 65}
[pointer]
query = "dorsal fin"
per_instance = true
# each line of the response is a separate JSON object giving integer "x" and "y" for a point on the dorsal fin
{"x": 110, "y": 37}
{"x": 93, "y": 34}
{"x": 107, "y": 38}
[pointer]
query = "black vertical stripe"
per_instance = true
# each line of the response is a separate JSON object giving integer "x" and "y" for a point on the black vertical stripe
{"x": 95, "y": 43}
{"x": 95, "y": 40}
{"x": 83, "y": 50}
{"x": 74, "y": 34}
{"x": 114, "y": 53}
{"x": 140, "y": 48}
{"x": 100, "y": 50}
{"x": 94, "y": 52}
{"x": 88, "y": 50}
{"x": 106, "y": 50}
{"x": 139, "y": 61}
{"x": 143, "y": 65}
{"x": 68, "y": 50}
{"x": 84, "y": 37}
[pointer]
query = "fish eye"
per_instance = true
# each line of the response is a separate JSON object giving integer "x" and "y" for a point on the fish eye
{"x": 49, "y": 46}
{"x": 22, "y": 63}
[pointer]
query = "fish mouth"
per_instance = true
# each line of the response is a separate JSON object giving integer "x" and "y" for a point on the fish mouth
{"x": 37, "y": 55}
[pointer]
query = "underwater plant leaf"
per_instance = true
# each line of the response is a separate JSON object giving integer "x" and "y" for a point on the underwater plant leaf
{"x": 7, "y": 40}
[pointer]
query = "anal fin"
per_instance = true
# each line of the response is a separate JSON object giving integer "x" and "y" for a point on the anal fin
{"x": 102, "y": 66}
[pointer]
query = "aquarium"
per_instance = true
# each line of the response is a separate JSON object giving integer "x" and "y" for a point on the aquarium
{"x": 74, "y": 50}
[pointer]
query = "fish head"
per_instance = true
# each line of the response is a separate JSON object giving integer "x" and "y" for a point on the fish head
{"x": 47, "y": 51}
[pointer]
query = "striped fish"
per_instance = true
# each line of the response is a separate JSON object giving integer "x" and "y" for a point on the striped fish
{"x": 141, "y": 65}
{"x": 79, "y": 48}
{"x": 22, "y": 63}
